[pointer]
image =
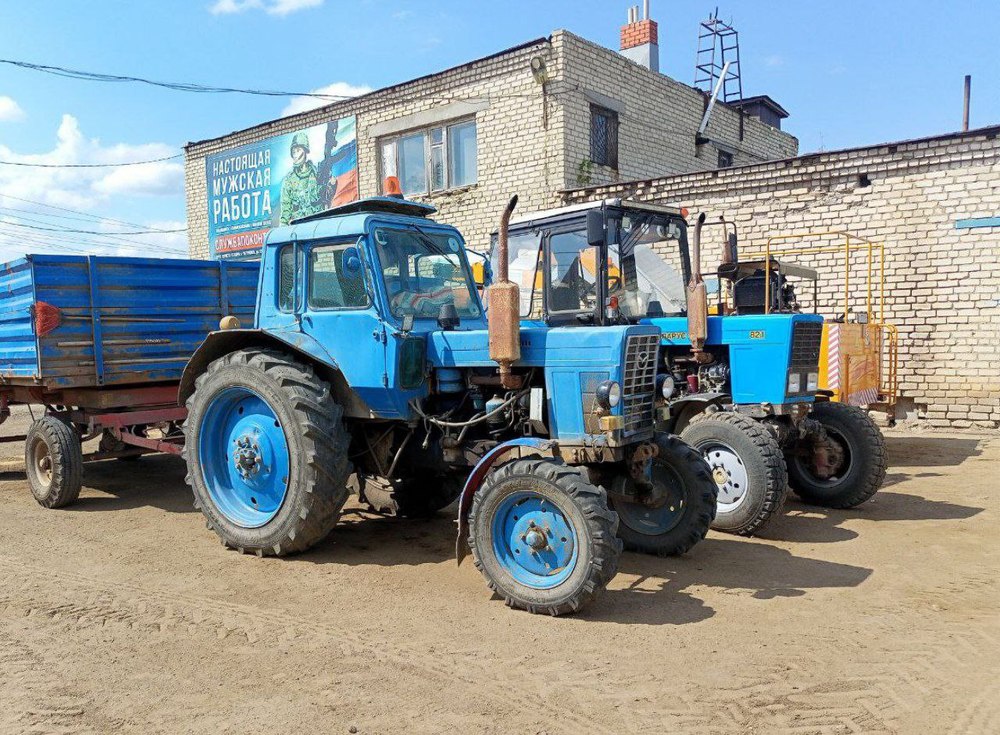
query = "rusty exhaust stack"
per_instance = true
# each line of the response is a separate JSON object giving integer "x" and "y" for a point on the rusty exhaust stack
{"x": 505, "y": 307}
{"x": 697, "y": 300}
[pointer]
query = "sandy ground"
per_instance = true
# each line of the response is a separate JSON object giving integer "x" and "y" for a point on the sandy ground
{"x": 123, "y": 613}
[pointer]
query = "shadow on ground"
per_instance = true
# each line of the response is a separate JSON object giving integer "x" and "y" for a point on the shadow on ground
{"x": 931, "y": 451}
{"x": 156, "y": 480}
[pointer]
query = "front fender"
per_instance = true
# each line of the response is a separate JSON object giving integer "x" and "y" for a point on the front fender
{"x": 680, "y": 412}
{"x": 475, "y": 480}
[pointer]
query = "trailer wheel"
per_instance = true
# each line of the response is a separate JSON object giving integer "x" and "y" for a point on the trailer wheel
{"x": 543, "y": 536}
{"x": 679, "y": 511}
{"x": 411, "y": 497}
{"x": 747, "y": 466}
{"x": 53, "y": 461}
{"x": 842, "y": 461}
{"x": 266, "y": 451}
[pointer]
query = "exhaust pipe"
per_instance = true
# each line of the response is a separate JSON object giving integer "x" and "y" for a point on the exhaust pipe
{"x": 505, "y": 306}
{"x": 697, "y": 300}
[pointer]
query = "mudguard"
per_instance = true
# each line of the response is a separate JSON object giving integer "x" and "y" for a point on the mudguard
{"x": 683, "y": 409}
{"x": 475, "y": 480}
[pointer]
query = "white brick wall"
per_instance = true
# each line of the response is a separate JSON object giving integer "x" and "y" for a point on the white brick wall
{"x": 530, "y": 142}
{"x": 943, "y": 284}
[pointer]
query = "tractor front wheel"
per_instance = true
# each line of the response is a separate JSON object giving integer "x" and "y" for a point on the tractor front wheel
{"x": 266, "y": 451}
{"x": 842, "y": 460}
{"x": 543, "y": 536}
{"x": 747, "y": 467}
{"x": 676, "y": 512}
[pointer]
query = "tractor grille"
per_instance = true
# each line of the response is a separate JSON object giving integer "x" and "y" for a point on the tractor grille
{"x": 639, "y": 382}
{"x": 806, "y": 338}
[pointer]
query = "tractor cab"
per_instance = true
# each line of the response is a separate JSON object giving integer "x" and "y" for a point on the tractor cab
{"x": 599, "y": 264}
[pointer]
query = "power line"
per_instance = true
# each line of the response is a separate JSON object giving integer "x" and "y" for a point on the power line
{"x": 177, "y": 86}
{"x": 77, "y": 211}
{"x": 90, "y": 165}
{"x": 71, "y": 231}
{"x": 76, "y": 245}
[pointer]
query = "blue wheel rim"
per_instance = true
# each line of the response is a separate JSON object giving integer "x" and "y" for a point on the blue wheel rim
{"x": 661, "y": 516}
{"x": 244, "y": 457}
{"x": 534, "y": 541}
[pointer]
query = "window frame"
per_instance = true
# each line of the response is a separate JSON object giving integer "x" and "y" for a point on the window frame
{"x": 722, "y": 154}
{"x": 427, "y": 133}
{"x": 609, "y": 157}
{"x": 296, "y": 274}
{"x": 341, "y": 245}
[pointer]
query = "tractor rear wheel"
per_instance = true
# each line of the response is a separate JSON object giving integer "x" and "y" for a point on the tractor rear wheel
{"x": 266, "y": 450}
{"x": 842, "y": 460}
{"x": 677, "y": 513}
{"x": 747, "y": 468}
{"x": 53, "y": 461}
{"x": 411, "y": 497}
{"x": 543, "y": 536}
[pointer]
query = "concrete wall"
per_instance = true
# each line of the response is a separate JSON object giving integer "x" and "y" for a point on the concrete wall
{"x": 943, "y": 283}
{"x": 531, "y": 138}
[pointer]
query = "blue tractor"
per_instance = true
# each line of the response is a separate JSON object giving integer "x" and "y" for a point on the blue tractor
{"x": 741, "y": 388}
{"x": 371, "y": 363}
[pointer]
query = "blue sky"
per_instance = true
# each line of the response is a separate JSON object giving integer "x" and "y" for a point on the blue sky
{"x": 850, "y": 73}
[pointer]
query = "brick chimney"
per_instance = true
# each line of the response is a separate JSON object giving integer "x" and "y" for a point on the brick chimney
{"x": 639, "y": 37}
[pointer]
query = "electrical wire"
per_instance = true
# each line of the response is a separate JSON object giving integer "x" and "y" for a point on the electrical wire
{"x": 94, "y": 232}
{"x": 90, "y": 165}
{"x": 97, "y": 217}
{"x": 176, "y": 86}
{"x": 471, "y": 422}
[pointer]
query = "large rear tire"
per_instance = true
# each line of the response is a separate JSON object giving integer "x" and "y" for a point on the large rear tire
{"x": 53, "y": 461}
{"x": 680, "y": 511}
{"x": 842, "y": 461}
{"x": 747, "y": 467}
{"x": 267, "y": 453}
{"x": 543, "y": 536}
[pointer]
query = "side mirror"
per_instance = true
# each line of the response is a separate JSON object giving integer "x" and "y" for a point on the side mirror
{"x": 351, "y": 259}
{"x": 595, "y": 227}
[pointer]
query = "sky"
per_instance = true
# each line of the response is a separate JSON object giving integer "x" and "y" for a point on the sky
{"x": 850, "y": 73}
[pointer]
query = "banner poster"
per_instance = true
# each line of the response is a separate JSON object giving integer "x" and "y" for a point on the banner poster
{"x": 270, "y": 183}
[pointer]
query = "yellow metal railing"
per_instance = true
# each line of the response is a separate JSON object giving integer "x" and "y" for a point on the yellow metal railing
{"x": 846, "y": 243}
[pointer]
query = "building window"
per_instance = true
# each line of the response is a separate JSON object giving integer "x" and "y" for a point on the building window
{"x": 434, "y": 159}
{"x": 603, "y": 136}
{"x": 725, "y": 159}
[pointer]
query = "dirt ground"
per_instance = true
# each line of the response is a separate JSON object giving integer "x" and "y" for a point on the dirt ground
{"x": 123, "y": 613}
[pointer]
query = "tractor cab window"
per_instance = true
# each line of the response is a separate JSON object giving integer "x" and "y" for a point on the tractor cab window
{"x": 646, "y": 265}
{"x": 573, "y": 273}
{"x": 336, "y": 278}
{"x": 423, "y": 271}
{"x": 523, "y": 268}
{"x": 286, "y": 295}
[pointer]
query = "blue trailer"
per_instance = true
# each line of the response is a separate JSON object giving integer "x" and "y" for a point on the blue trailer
{"x": 101, "y": 344}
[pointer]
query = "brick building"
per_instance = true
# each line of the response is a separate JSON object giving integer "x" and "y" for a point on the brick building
{"x": 552, "y": 113}
{"x": 935, "y": 202}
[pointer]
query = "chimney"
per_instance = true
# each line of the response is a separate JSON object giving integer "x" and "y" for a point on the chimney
{"x": 639, "y": 38}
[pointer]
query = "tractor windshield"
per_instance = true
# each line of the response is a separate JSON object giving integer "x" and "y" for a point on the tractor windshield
{"x": 647, "y": 263}
{"x": 424, "y": 270}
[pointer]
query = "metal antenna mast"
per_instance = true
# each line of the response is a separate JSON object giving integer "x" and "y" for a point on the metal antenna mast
{"x": 718, "y": 44}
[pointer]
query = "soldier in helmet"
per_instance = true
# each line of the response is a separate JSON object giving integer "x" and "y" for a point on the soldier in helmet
{"x": 300, "y": 192}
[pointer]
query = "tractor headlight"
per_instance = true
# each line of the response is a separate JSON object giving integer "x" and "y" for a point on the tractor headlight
{"x": 667, "y": 386}
{"x": 794, "y": 382}
{"x": 609, "y": 394}
{"x": 812, "y": 382}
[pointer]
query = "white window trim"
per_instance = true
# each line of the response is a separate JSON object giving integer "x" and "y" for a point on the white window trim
{"x": 428, "y": 164}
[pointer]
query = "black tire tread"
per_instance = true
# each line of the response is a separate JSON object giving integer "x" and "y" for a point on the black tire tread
{"x": 602, "y": 522}
{"x": 871, "y": 437}
{"x": 409, "y": 497}
{"x": 66, "y": 455}
{"x": 326, "y": 444}
{"x": 776, "y": 490}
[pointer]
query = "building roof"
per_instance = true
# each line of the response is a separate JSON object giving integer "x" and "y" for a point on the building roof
{"x": 376, "y": 92}
{"x": 761, "y": 99}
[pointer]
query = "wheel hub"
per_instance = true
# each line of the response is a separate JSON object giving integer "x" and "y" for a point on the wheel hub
{"x": 247, "y": 458}
{"x": 534, "y": 540}
{"x": 729, "y": 473}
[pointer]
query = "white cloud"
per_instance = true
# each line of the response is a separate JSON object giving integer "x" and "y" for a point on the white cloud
{"x": 774, "y": 61}
{"x": 10, "y": 111}
{"x": 271, "y": 7}
{"x": 337, "y": 89}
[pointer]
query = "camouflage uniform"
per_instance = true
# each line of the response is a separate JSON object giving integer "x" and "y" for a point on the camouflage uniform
{"x": 300, "y": 192}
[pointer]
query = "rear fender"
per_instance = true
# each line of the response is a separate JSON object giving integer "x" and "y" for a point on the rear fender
{"x": 301, "y": 345}
{"x": 479, "y": 473}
